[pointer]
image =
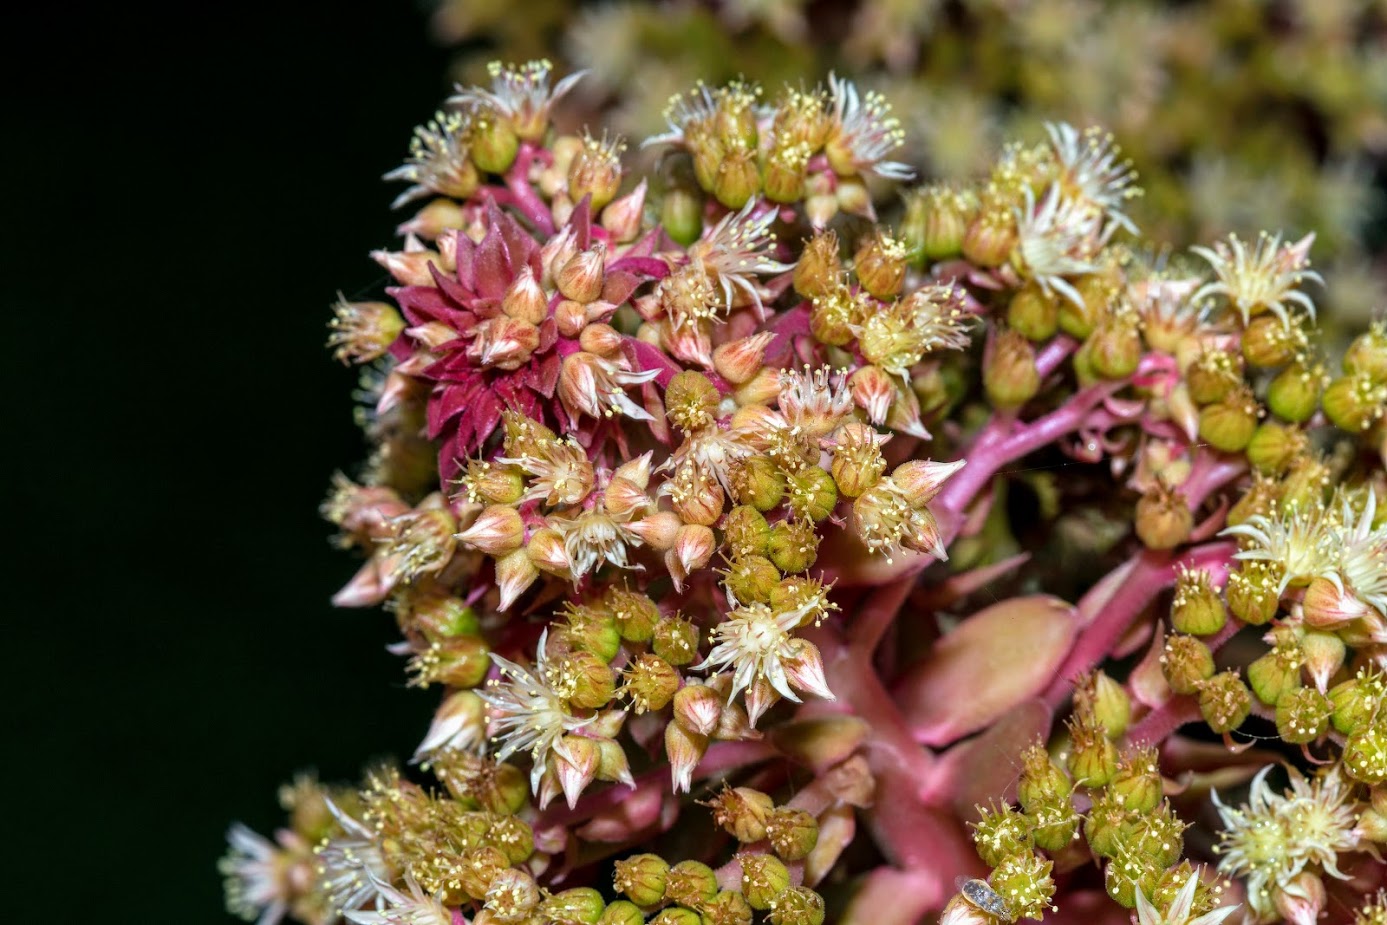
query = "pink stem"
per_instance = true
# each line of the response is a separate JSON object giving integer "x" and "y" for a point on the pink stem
{"x": 523, "y": 196}
{"x": 1210, "y": 472}
{"x": 1161, "y": 723}
{"x": 877, "y": 614}
{"x": 1151, "y": 571}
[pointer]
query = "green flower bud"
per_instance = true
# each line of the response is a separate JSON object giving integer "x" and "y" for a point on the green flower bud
{"x": 1252, "y": 592}
{"x": 1154, "y": 837}
{"x": 1278, "y": 671}
{"x": 650, "y": 683}
{"x": 579, "y": 906}
{"x": 1105, "y": 702}
{"x": 1324, "y": 656}
{"x": 797, "y": 905}
{"x": 1295, "y": 392}
{"x": 592, "y": 629}
{"x": 793, "y": 833}
{"x": 1009, "y": 375}
{"x": 1033, "y": 313}
{"x": 1137, "y": 784}
{"x": 676, "y": 915}
{"x": 793, "y": 546}
{"x": 1367, "y": 355}
{"x": 1186, "y": 663}
{"x": 1224, "y": 701}
{"x": 746, "y": 532}
{"x": 691, "y": 401}
{"x": 1092, "y": 756}
{"x": 1213, "y": 376}
{"x": 1115, "y": 346}
{"x": 1197, "y": 608}
{"x": 1163, "y": 517}
{"x": 1023, "y": 881}
{"x": 583, "y": 679}
{"x": 494, "y": 142}
{"x": 642, "y": 878}
{"x": 1041, "y": 781}
{"x": 1174, "y": 879}
{"x": 1229, "y": 423}
{"x": 1054, "y": 824}
{"x": 1097, "y": 292}
{"x": 818, "y": 269}
{"x": 1356, "y": 701}
{"x": 595, "y": 171}
{"x": 622, "y": 912}
{"x": 758, "y": 482}
{"x": 479, "y": 867}
{"x": 1268, "y": 341}
{"x": 1273, "y": 446}
{"x": 879, "y": 264}
{"x": 936, "y": 218}
{"x": 691, "y": 883}
{"x": 764, "y": 876}
{"x": 681, "y": 214}
{"x": 1365, "y": 753}
{"x": 675, "y": 640}
{"x": 1302, "y": 715}
{"x": 634, "y": 615}
{"x": 784, "y": 173}
{"x": 1354, "y": 403}
{"x": 438, "y": 616}
{"x": 857, "y": 462}
{"x": 742, "y": 813}
{"x": 751, "y": 579}
{"x": 811, "y": 493}
{"x": 1000, "y": 832}
{"x": 990, "y": 237}
{"x": 738, "y": 177}
{"x": 512, "y": 836}
{"x": 1104, "y": 824}
{"x": 1120, "y": 880}
{"x": 457, "y": 661}
{"x": 729, "y": 907}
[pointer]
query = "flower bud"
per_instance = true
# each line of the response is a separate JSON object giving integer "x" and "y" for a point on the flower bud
{"x": 879, "y": 264}
{"x": 818, "y": 269}
{"x": 546, "y": 550}
{"x": 1273, "y": 447}
{"x": 797, "y": 905}
{"x": 742, "y": 813}
{"x": 1357, "y": 701}
{"x": 1365, "y": 753}
{"x": 1163, "y": 517}
{"x": 1197, "y": 608}
{"x": 1186, "y": 663}
{"x": 1092, "y": 756}
{"x": 497, "y": 530}
{"x": 691, "y": 401}
{"x": 920, "y": 480}
{"x": 524, "y": 299}
{"x": 1329, "y": 606}
{"x": 681, "y": 214}
{"x": 1302, "y": 715}
{"x": 494, "y": 142}
{"x": 437, "y": 616}
{"x": 675, "y": 640}
{"x": 936, "y": 219}
{"x": 1324, "y": 656}
{"x": 579, "y": 906}
{"x": 1228, "y": 424}
{"x": 810, "y": 493}
{"x": 583, "y": 276}
{"x": 1252, "y": 592}
{"x": 757, "y": 481}
{"x": 1023, "y": 882}
{"x": 698, "y": 708}
{"x": 1115, "y": 346}
{"x": 1107, "y": 702}
{"x": 851, "y": 196}
{"x": 596, "y": 172}
{"x": 1354, "y": 403}
{"x": 729, "y": 907}
{"x": 857, "y": 461}
{"x": 738, "y": 177}
{"x": 576, "y": 759}
{"x": 691, "y": 883}
{"x": 583, "y": 679}
{"x": 999, "y": 832}
{"x": 1080, "y": 319}
{"x": 785, "y": 172}
{"x": 1295, "y": 392}
{"x": 363, "y": 331}
{"x": 515, "y": 572}
{"x": 990, "y": 237}
{"x": 764, "y": 876}
{"x": 873, "y": 391}
{"x": 1301, "y": 900}
{"x": 659, "y": 531}
{"x": 650, "y": 683}
{"x": 1213, "y": 375}
{"x": 459, "y": 661}
{"x": 512, "y": 895}
{"x": 621, "y": 912}
{"x": 1033, "y": 313}
{"x": 1277, "y": 671}
{"x": 479, "y": 868}
{"x": 960, "y": 911}
{"x": 751, "y": 579}
{"x": 676, "y": 915}
{"x": 793, "y": 833}
{"x": 1009, "y": 374}
{"x": 793, "y": 546}
{"x": 692, "y": 550}
{"x": 1269, "y": 341}
{"x": 1055, "y": 824}
{"x": 642, "y": 878}
{"x": 1224, "y": 701}
{"x": 1137, "y": 785}
{"x": 1041, "y": 781}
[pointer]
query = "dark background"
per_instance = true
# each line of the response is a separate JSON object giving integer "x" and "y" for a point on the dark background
{"x": 184, "y": 192}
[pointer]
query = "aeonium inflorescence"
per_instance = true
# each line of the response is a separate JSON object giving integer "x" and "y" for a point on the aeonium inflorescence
{"x": 714, "y": 487}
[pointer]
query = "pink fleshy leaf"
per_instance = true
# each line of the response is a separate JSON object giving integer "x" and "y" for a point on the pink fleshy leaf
{"x": 581, "y": 223}
{"x": 987, "y": 766}
{"x": 492, "y": 265}
{"x": 997, "y": 659}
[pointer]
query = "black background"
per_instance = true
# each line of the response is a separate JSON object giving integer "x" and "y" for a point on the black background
{"x": 184, "y": 192}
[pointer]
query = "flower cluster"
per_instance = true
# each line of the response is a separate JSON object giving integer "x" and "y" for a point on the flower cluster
{"x": 713, "y": 487}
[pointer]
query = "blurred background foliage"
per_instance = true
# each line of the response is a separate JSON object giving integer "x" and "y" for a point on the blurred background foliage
{"x": 1240, "y": 115}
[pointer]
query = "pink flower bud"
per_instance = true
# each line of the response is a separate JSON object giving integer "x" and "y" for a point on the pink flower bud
{"x": 601, "y": 339}
{"x": 873, "y": 391}
{"x": 497, "y": 530}
{"x": 1300, "y": 901}
{"x": 515, "y": 572}
{"x": 624, "y": 498}
{"x": 1328, "y": 605}
{"x": 581, "y": 278}
{"x": 459, "y": 724}
{"x": 921, "y": 479}
{"x": 636, "y": 471}
{"x": 525, "y": 299}
{"x": 546, "y": 550}
{"x": 760, "y": 697}
{"x": 571, "y": 317}
{"x": 410, "y": 268}
{"x": 689, "y": 343}
{"x": 435, "y": 218}
{"x": 698, "y": 708}
{"x": 622, "y": 217}
{"x": 658, "y": 531}
{"x": 502, "y": 342}
{"x": 692, "y": 550}
{"x": 576, "y": 760}
{"x": 805, "y": 669}
{"x": 740, "y": 360}
{"x": 556, "y": 253}
{"x": 684, "y": 750}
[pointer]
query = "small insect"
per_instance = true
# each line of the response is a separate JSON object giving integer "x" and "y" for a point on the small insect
{"x": 984, "y": 897}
